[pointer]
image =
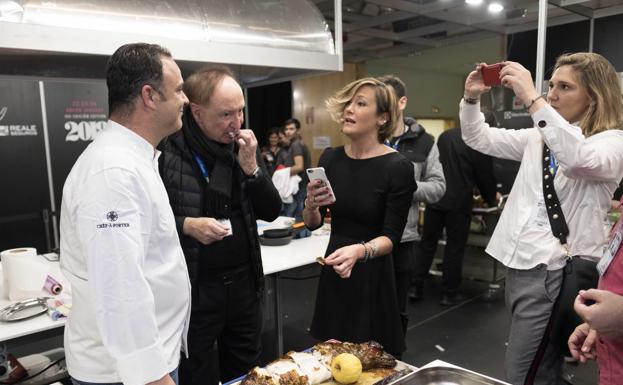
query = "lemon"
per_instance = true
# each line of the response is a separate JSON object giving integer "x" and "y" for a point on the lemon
{"x": 346, "y": 368}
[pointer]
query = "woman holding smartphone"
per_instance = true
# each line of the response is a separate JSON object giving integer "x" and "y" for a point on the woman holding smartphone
{"x": 373, "y": 186}
{"x": 576, "y": 148}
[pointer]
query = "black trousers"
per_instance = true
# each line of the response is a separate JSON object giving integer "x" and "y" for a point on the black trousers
{"x": 404, "y": 264}
{"x": 224, "y": 338}
{"x": 457, "y": 230}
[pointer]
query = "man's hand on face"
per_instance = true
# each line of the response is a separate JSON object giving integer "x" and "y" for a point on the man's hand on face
{"x": 247, "y": 144}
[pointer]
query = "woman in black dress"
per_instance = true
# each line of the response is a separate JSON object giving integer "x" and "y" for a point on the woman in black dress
{"x": 373, "y": 185}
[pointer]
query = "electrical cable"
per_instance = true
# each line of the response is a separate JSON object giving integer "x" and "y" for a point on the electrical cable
{"x": 34, "y": 375}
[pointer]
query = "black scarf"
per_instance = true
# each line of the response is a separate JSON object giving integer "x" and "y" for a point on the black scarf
{"x": 221, "y": 163}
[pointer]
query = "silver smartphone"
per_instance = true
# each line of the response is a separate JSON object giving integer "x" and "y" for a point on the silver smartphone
{"x": 318, "y": 173}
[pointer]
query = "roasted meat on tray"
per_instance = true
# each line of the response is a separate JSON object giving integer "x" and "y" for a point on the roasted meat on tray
{"x": 313, "y": 368}
{"x": 371, "y": 354}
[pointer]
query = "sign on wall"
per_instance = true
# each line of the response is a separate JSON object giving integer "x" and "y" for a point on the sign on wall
{"x": 76, "y": 112}
{"x": 24, "y": 193}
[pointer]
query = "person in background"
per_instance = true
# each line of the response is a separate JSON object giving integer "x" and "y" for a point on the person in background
{"x": 121, "y": 253}
{"x": 218, "y": 186}
{"x": 373, "y": 186}
{"x": 271, "y": 151}
{"x": 580, "y": 122}
{"x": 412, "y": 141}
{"x": 296, "y": 156}
{"x": 464, "y": 169}
{"x": 601, "y": 336}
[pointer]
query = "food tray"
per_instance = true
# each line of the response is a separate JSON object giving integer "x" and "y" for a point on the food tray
{"x": 368, "y": 377}
{"x": 443, "y": 375}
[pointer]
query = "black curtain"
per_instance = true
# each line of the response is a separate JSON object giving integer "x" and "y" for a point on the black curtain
{"x": 269, "y": 106}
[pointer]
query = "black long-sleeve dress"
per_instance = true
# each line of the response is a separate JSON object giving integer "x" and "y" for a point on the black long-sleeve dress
{"x": 373, "y": 197}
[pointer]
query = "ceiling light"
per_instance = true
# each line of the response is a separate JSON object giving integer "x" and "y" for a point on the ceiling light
{"x": 495, "y": 8}
{"x": 473, "y": 2}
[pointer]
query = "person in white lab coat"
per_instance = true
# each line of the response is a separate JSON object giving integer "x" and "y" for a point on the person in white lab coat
{"x": 119, "y": 245}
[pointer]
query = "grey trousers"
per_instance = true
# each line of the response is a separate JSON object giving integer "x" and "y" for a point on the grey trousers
{"x": 530, "y": 296}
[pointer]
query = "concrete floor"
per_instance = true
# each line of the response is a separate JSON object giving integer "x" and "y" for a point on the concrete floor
{"x": 471, "y": 334}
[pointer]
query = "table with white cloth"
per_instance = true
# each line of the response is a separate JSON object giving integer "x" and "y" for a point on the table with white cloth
{"x": 275, "y": 259}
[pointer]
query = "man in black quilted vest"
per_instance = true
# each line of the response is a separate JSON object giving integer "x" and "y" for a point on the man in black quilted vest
{"x": 218, "y": 186}
{"x": 412, "y": 141}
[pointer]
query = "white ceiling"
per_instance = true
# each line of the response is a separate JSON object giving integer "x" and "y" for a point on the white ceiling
{"x": 385, "y": 28}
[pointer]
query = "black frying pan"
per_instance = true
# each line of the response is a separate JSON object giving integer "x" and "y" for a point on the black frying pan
{"x": 277, "y": 233}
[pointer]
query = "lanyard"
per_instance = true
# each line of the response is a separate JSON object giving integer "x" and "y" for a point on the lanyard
{"x": 202, "y": 166}
{"x": 394, "y": 146}
{"x": 388, "y": 143}
{"x": 553, "y": 164}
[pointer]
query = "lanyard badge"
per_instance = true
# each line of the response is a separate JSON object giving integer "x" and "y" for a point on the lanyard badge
{"x": 613, "y": 246}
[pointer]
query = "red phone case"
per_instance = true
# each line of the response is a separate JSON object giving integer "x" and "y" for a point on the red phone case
{"x": 491, "y": 74}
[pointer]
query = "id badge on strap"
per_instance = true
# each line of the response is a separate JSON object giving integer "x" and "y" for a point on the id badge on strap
{"x": 613, "y": 247}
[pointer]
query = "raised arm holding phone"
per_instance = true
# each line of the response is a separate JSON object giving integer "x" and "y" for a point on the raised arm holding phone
{"x": 577, "y": 135}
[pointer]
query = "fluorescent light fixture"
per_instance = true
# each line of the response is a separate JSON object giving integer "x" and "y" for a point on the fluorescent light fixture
{"x": 473, "y": 2}
{"x": 495, "y": 8}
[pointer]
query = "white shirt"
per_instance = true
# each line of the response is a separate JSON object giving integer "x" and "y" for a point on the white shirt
{"x": 589, "y": 170}
{"x": 121, "y": 253}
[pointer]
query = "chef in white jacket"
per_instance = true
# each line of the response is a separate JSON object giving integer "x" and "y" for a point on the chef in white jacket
{"x": 119, "y": 245}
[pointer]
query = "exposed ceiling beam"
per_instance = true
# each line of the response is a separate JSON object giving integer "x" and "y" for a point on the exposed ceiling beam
{"x": 377, "y": 20}
{"x": 566, "y": 3}
{"x": 396, "y": 37}
{"x": 551, "y": 22}
{"x": 420, "y": 9}
{"x": 610, "y": 11}
{"x": 435, "y": 10}
{"x": 577, "y": 9}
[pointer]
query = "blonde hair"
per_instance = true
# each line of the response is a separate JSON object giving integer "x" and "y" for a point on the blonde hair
{"x": 386, "y": 102}
{"x": 200, "y": 86}
{"x": 602, "y": 84}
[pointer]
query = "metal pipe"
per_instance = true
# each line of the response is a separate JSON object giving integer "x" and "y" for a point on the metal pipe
{"x": 337, "y": 24}
{"x": 540, "y": 46}
{"x": 591, "y": 34}
{"x": 48, "y": 160}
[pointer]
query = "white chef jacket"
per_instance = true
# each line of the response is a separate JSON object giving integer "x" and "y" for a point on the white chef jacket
{"x": 589, "y": 170}
{"x": 121, "y": 253}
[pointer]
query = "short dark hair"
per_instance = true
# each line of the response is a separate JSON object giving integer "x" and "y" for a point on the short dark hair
{"x": 273, "y": 130}
{"x": 294, "y": 121}
{"x": 398, "y": 85}
{"x": 130, "y": 68}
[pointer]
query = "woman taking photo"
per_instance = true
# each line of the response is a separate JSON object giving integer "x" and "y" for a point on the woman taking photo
{"x": 373, "y": 185}
{"x": 576, "y": 143}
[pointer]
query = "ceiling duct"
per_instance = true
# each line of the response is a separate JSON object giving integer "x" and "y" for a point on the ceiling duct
{"x": 289, "y": 34}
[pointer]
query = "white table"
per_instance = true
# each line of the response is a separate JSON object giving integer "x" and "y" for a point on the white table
{"x": 275, "y": 259}
{"x": 10, "y": 330}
